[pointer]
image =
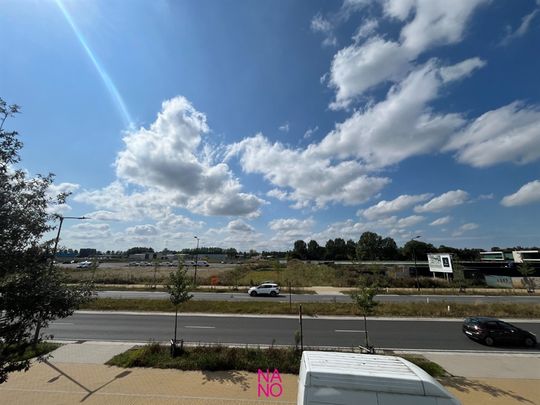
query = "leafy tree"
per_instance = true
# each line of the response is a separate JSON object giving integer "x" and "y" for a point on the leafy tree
{"x": 364, "y": 298}
{"x": 32, "y": 292}
{"x": 178, "y": 287}
{"x": 300, "y": 250}
{"x": 231, "y": 253}
{"x": 139, "y": 249}
{"x": 315, "y": 251}
{"x": 526, "y": 270}
{"x": 389, "y": 249}
{"x": 419, "y": 249}
{"x": 351, "y": 249}
{"x": 330, "y": 249}
{"x": 340, "y": 249}
{"x": 369, "y": 246}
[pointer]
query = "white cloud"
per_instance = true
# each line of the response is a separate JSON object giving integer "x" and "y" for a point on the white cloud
{"x": 398, "y": 204}
{"x": 444, "y": 201}
{"x": 310, "y": 132}
{"x": 409, "y": 221}
{"x": 507, "y": 134}
{"x": 311, "y": 178}
{"x": 357, "y": 68}
{"x": 88, "y": 231}
{"x": 165, "y": 160}
{"x": 464, "y": 228}
{"x": 240, "y": 226}
{"x": 322, "y": 25}
{"x": 441, "y": 221}
{"x": 142, "y": 230}
{"x": 527, "y": 194}
{"x": 278, "y": 194}
{"x": 291, "y": 226}
{"x": 398, "y": 127}
{"x": 462, "y": 69}
{"x": 172, "y": 221}
{"x": 521, "y": 30}
{"x": 367, "y": 28}
{"x": 285, "y": 127}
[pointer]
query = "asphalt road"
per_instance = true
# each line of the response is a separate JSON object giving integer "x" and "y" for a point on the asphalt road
{"x": 397, "y": 334}
{"x": 224, "y": 296}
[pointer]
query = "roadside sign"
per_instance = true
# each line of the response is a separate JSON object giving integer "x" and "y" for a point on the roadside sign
{"x": 440, "y": 262}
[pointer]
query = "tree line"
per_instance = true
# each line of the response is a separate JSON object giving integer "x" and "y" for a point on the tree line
{"x": 372, "y": 246}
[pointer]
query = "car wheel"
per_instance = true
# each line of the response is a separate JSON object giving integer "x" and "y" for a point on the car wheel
{"x": 253, "y": 293}
{"x": 489, "y": 341}
{"x": 529, "y": 342}
{"x": 273, "y": 294}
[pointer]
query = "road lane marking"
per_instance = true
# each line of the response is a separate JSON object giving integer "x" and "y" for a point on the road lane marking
{"x": 200, "y": 327}
{"x": 349, "y": 331}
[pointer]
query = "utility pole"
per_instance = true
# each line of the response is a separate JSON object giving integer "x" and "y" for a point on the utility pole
{"x": 196, "y": 262}
{"x": 61, "y": 218}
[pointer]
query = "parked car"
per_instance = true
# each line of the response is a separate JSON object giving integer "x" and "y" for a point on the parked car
{"x": 492, "y": 331}
{"x": 271, "y": 289}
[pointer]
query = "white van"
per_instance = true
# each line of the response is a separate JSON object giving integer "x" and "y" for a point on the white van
{"x": 333, "y": 378}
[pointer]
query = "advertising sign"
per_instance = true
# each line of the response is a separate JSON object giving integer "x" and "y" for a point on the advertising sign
{"x": 440, "y": 262}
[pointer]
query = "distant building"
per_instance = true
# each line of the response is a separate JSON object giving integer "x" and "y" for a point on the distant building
{"x": 143, "y": 256}
{"x": 86, "y": 252}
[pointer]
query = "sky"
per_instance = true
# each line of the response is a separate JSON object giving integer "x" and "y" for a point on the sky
{"x": 252, "y": 124}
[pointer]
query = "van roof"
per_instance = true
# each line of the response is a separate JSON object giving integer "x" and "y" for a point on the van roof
{"x": 368, "y": 373}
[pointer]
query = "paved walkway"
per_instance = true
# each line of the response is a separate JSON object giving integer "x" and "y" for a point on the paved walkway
{"x": 74, "y": 375}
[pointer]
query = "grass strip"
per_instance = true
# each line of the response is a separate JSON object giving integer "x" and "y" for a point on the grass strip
{"x": 222, "y": 358}
{"x": 40, "y": 349}
{"x": 409, "y": 309}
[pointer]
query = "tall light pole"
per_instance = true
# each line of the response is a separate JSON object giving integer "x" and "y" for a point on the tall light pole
{"x": 196, "y": 261}
{"x": 61, "y": 218}
{"x": 414, "y": 257}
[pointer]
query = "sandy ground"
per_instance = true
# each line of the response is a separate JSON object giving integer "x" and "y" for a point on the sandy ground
{"x": 68, "y": 383}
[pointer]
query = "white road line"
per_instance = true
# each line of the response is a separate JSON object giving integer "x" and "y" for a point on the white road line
{"x": 349, "y": 331}
{"x": 200, "y": 327}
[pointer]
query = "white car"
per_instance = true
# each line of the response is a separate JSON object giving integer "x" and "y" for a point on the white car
{"x": 271, "y": 289}
{"x": 84, "y": 265}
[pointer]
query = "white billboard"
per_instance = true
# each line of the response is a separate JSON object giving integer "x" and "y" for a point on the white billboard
{"x": 440, "y": 262}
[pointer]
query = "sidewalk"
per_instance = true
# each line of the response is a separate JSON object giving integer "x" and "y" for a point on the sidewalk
{"x": 69, "y": 378}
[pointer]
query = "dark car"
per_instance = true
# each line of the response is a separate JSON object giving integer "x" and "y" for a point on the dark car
{"x": 494, "y": 331}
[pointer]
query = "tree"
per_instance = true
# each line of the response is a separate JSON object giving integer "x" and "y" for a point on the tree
{"x": 314, "y": 251}
{"x": 299, "y": 250}
{"x": 389, "y": 249}
{"x": 351, "y": 249}
{"x": 369, "y": 246}
{"x": 178, "y": 287}
{"x": 340, "y": 249}
{"x": 364, "y": 298}
{"x": 32, "y": 292}
{"x": 419, "y": 249}
{"x": 330, "y": 249}
{"x": 526, "y": 270}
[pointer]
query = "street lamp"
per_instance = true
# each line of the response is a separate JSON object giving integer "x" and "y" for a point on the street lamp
{"x": 196, "y": 261}
{"x": 414, "y": 257}
{"x": 58, "y": 234}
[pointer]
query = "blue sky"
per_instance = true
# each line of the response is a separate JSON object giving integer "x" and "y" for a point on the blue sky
{"x": 252, "y": 124}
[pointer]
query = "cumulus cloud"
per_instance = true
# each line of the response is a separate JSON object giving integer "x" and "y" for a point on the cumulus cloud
{"x": 291, "y": 226}
{"x": 88, "y": 231}
{"x": 441, "y": 221}
{"x": 311, "y": 179}
{"x": 168, "y": 159}
{"x": 359, "y": 67}
{"x": 398, "y": 204}
{"x": 527, "y": 194}
{"x": 142, "y": 230}
{"x": 240, "y": 226}
{"x": 464, "y": 228}
{"x": 398, "y": 127}
{"x": 444, "y": 201}
{"x": 507, "y": 134}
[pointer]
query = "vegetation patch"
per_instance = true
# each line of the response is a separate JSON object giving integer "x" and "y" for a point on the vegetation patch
{"x": 211, "y": 358}
{"x": 30, "y": 352}
{"x": 222, "y": 358}
{"x": 409, "y": 309}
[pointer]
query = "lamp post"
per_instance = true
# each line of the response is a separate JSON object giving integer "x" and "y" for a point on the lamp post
{"x": 414, "y": 257}
{"x": 61, "y": 218}
{"x": 196, "y": 261}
